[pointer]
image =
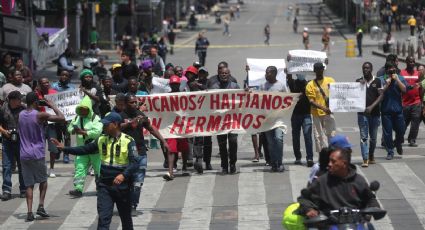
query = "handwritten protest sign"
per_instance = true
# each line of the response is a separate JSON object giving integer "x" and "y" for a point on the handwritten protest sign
{"x": 216, "y": 112}
{"x": 66, "y": 102}
{"x": 302, "y": 61}
{"x": 347, "y": 97}
{"x": 257, "y": 70}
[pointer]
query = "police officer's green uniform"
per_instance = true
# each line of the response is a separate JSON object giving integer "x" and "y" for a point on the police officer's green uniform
{"x": 117, "y": 157}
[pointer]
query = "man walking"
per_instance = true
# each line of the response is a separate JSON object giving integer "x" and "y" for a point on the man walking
{"x": 267, "y": 34}
{"x": 359, "y": 38}
{"x": 317, "y": 91}
{"x": 228, "y": 155}
{"x": 275, "y": 136}
{"x": 411, "y": 100}
{"x": 32, "y": 149}
{"x": 118, "y": 154}
{"x": 392, "y": 109}
{"x": 368, "y": 120}
{"x": 201, "y": 48}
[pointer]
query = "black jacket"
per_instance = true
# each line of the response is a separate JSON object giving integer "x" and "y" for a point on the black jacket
{"x": 329, "y": 192}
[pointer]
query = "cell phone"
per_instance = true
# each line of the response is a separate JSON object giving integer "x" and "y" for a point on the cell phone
{"x": 42, "y": 102}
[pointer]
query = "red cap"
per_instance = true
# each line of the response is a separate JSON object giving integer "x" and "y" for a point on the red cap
{"x": 192, "y": 69}
{"x": 174, "y": 79}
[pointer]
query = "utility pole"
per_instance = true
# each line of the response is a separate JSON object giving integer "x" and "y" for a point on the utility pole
{"x": 93, "y": 14}
{"x": 65, "y": 13}
{"x": 78, "y": 27}
{"x": 112, "y": 24}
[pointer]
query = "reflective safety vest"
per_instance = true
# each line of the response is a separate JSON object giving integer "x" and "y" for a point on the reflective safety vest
{"x": 114, "y": 151}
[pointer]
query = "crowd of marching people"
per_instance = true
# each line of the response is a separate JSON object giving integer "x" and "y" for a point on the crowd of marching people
{"x": 394, "y": 97}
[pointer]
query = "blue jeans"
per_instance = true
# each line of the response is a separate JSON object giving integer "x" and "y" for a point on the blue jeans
{"x": 139, "y": 178}
{"x": 303, "y": 121}
{"x": 275, "y": 146}
{"x": 390, "y": 122}
{"x": 368, "y": 126}
{"x": 10, "y": 151}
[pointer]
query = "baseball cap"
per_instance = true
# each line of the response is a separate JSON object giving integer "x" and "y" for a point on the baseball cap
{"x": 115, "y": 66}
{"x": 340, "y": 141}
{"x": 203, "y": 69}
{"x": 110, "y": 118}
{"x": 174, "y": 79}
{"x": 192, "y": 69}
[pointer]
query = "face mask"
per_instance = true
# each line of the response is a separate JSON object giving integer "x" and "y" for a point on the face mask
{"x": 300, "y": 77}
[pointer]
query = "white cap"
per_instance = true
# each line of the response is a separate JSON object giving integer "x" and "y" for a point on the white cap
{"x": 305, "y": 29}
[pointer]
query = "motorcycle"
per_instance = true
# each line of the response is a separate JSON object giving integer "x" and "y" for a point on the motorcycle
{"x": 347, "y": 218}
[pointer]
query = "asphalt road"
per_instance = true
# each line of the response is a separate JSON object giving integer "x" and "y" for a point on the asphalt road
{"x": 254, "y": 198}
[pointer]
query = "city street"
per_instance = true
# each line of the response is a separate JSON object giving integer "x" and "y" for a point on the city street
{"x": 254, "y": 198}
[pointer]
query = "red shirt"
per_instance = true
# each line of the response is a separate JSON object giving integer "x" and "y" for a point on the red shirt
{"x": 412, "y": 96}
{"x": 40, "y": 96}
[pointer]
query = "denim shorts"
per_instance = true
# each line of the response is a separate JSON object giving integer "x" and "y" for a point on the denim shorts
{"x": 139, "y": 175}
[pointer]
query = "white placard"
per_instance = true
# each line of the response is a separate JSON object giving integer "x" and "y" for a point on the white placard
{"x": 257, "y": 70}
{"x": 160, "y": 85}
{"x": 66, "y": 102}
{"x": 302, "y": 61}
{"x": 347, "y": 97}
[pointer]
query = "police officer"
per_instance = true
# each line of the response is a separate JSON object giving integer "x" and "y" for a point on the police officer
{"x": 117, "y": 153}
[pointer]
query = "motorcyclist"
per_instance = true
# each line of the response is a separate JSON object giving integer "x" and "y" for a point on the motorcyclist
{"x": 340, "y": 187}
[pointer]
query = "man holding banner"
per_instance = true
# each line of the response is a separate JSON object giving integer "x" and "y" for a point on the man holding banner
{"x": 275, "y": 136}
{"x": 317, "y": 91}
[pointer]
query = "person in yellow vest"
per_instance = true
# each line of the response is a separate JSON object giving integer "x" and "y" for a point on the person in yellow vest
{"x": 412, "y": 24}
{"x": 118, "y": 153}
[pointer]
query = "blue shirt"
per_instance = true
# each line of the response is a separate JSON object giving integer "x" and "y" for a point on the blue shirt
{"x": 60, "y": 88}
{"x": 392, "y": 103}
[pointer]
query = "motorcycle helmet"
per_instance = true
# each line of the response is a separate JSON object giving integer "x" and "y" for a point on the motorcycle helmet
{"x": 291, "y": 220}
{"x": 90, "y": 63}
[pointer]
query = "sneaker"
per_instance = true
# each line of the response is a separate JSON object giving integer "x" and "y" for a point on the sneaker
{"x": 30, "y": 216}
{"x": 6, "y": 196}
{"x": 41, "y": 212}
{"x": 298, "y": 162}
{"x": 76, "y": 193}
{"x": 389, "y": 157}
{"x": 52, "y": 174}
{"x": 208, "y": 166}
{"x": 255, "y": 160}
{"x": 65, "y": 159}
{"x": 372, "y": 161}
{"x": 310, "y": 163}
{"x": 168, "y": 177}
{"x": 267, "y": 164}
{"x": 198, "y": 167}
{"x": 281, "y": 168}
{"x": 22, "y": 195}
{"x": 175, "y": 170}
{"x": 365, "y": 163}
{"x": 412, "y": 144}
{"x": 232, "y": 169}
{"x": 91, "y": 171}
{"x": 399, "y": 149}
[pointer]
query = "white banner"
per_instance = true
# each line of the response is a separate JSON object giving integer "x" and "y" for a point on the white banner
{"x": 206, "y": 113}
{"x": 66, "y": 102}
{"x": 257, "y": 70}
{"x": 347, "y": 97}
{"x": 302, "y": 61}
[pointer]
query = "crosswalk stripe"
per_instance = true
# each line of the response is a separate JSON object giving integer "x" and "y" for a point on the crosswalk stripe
{"x": 252, "y": 208}
{"x": 83, "y": 213}
{"x": 196, "y": 213}
{"x": 384, "y": 223}
{"x": 17, "y": 219}
{"x": 410, "y": 185}
{"x": 298, "y": 176}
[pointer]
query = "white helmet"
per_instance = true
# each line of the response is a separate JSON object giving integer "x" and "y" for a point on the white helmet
{"x": 89, "y": 62}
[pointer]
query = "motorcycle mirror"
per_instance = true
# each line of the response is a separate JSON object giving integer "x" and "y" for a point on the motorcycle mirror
{"x": 374, "y": 186}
